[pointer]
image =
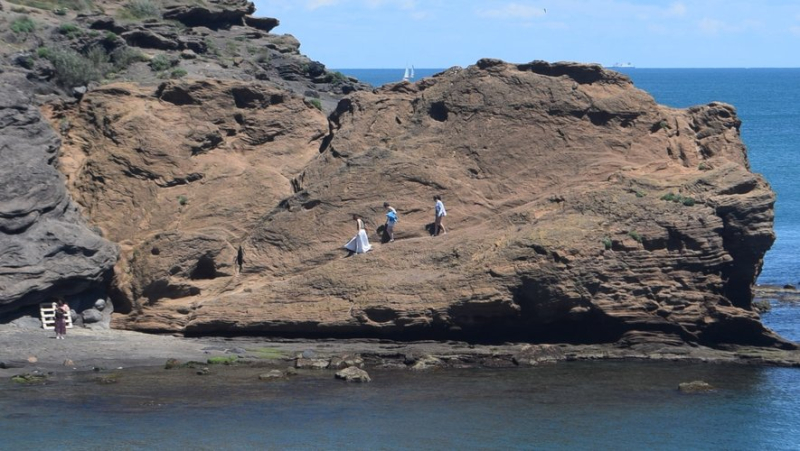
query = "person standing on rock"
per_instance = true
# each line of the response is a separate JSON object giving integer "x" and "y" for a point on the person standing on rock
{"x": 440, "y": 213}
{"x": 61, "y": 312}
{"x": 391, "y": 220}
{"x": 360, "y": 243}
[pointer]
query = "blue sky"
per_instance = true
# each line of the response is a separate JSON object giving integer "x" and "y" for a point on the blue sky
{"x": 445, "y": 33}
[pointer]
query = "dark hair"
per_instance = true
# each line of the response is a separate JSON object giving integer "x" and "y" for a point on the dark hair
{"x": 385, "y": 204}
{"x": 437, "y": 197}
{"x": 60, "y": 301}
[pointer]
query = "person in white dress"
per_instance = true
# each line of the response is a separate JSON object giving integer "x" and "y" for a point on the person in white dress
{"x": 360, "y": 243}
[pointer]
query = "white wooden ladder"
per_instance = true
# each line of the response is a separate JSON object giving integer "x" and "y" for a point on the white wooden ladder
{"x": 47, "y": 310}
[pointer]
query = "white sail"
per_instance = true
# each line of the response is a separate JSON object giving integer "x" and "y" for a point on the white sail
{"x": 412, "y": 73}
{"x": 406, "y": 75}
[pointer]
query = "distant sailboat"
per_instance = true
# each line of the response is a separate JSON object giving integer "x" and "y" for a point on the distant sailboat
{"x": 409, "y": 74}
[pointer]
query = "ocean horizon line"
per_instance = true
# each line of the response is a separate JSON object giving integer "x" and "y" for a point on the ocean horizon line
{"x": 607, "y": 67}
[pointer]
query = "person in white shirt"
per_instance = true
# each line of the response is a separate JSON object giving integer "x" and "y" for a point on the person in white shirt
{"x": 440, "y": 213}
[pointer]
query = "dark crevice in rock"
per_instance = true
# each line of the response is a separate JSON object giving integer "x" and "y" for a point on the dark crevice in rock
{"x": 176, "y": 95}
{"x": 205, "y": 268}
{"x": 161, "y": 289}
{"x": 193, "y": 177}
{"x": 438, "y": 111}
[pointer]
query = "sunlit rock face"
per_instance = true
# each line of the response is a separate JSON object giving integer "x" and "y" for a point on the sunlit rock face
{"x": 578, "y": 209}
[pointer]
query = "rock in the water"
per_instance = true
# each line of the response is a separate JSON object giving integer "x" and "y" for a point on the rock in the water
{"x": 695, "y": 387}
{"x": 353, "y": 374}
{"x": 345, "y": 361}
{"x": 535, "y": 354}
{"x": 762, "y": 305}
{"x": 426, "y": 362}
{"x": 271, "y": 375}
{"x": 314, "y": 364}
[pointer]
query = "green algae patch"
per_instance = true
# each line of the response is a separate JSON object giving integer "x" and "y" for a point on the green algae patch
{"x": 267, "y": 353}
{"x": 223, "y": 360}
{"x": 29, "y": 379}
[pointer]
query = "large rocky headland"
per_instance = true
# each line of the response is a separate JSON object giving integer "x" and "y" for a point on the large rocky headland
{"x": 196, "y": 172}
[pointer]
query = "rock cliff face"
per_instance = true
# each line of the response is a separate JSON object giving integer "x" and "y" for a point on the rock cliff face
{"x": 45, "y": 246}
{"x": 51, "y": 55}
{"x": 578, "y": 209}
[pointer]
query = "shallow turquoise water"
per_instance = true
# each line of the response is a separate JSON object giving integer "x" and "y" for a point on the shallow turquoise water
{"x": 587, "y": 405}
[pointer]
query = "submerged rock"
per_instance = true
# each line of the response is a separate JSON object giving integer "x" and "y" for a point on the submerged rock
{"x": 695, "y": 387}
{"x": 272, "y": 375}
{"x": 353, "y": 374}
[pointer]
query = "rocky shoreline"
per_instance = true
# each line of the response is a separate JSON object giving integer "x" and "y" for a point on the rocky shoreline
{"x": 112, "y": 353}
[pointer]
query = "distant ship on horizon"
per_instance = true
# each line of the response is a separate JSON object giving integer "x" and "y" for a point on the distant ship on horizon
{"x": 621, "y": 65}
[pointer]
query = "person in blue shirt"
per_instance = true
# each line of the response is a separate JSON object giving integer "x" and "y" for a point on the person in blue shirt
{"x": 391, "y": 220}
{"x": 440, "y": 213}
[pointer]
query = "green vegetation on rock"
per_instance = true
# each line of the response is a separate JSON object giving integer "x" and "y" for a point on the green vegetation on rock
{"x": 635, "y": 235}
{"x": 677, "y": 198}
{"x": 70, "y": 30}
{"x": 23, "y": 24}
{"x": 57, "y": 6}
{"x": 73, "y": 69}
{"x": 123, "y": 57}
{"x": 337, "y": 77}
{"x": 140, "y": 9}
{"x": 178, "y": 73}
{"x": 316, "y": 102}
{"x": 162, "y": 62}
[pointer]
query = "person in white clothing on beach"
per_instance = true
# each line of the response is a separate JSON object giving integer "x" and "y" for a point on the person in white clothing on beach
{"x": 360, "y": 243}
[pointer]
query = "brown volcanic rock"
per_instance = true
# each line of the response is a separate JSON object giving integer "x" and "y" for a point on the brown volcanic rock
{"x": 179, "y": 176}
{"x": 553, "y": 175}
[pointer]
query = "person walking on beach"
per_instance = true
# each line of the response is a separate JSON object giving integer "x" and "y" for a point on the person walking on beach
{"x": 440, "y": 213}
{"x": 360, "y": 243}
{"x": 391, "y": 220}
{"x": 61, "y": 312}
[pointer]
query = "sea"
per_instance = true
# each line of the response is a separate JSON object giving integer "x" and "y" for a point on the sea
{"x": 574, "y": 405}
